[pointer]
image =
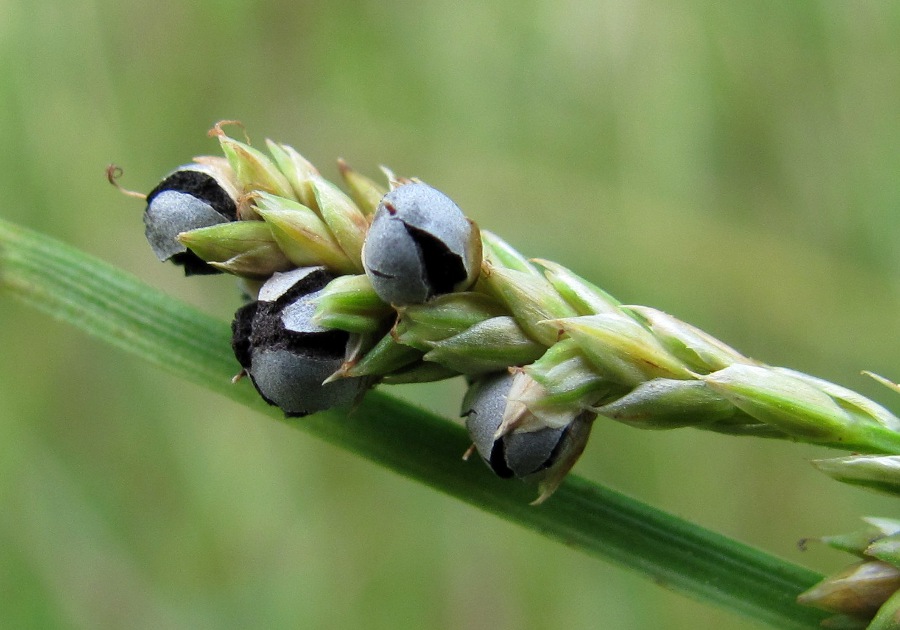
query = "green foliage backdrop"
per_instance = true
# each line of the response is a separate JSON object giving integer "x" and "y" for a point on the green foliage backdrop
{"x": 734, "y": 164}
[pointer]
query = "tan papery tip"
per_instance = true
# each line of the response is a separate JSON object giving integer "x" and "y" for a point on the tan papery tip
{"x": 218, "y": 132}
{"x": 113, "y": 173}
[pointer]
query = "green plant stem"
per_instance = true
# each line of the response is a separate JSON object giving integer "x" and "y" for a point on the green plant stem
{"x": 873, "y": 440}
{"x": 124, "y": 312}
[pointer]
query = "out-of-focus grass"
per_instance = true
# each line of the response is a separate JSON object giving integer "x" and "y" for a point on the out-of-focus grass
{"x": 732, "y": 164}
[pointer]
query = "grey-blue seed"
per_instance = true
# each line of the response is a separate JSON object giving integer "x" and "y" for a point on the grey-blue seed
{"x": 287, "y": 355}
{"x": 517, "y": 454}
{"x": 293, "y": 381}
{"x": 419, "y": 245}
{"x": 169, "y": 214}
{"x": 186, "y": 199}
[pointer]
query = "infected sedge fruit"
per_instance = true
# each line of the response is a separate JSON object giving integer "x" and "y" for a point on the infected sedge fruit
{"x": 193, "y": 196}
{"x": 286, "y": 355}
{"x": 515, "y": 454}
{"x": 420, "y": 245}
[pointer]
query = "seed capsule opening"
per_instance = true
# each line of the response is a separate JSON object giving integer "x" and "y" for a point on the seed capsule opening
{"x": 497, "y": 461}
{"x": 443, "y": 268}
{"x": 241, "y": 329}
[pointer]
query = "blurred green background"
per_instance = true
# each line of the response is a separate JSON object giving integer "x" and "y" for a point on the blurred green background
{"x": 735, "y": 164}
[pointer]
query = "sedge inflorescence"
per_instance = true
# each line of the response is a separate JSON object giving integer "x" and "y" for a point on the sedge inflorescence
{"x": 348, "y": 288}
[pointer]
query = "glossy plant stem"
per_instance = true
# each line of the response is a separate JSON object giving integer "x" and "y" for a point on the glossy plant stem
{"x": 121, "y": 310}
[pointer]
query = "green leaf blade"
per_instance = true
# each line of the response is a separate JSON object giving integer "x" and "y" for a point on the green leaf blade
{"x": 126, "y": 313}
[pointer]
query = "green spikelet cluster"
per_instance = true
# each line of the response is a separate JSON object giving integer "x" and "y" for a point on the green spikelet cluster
{"x": 867, "y": 593}
{"x": 576, "y": 352}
